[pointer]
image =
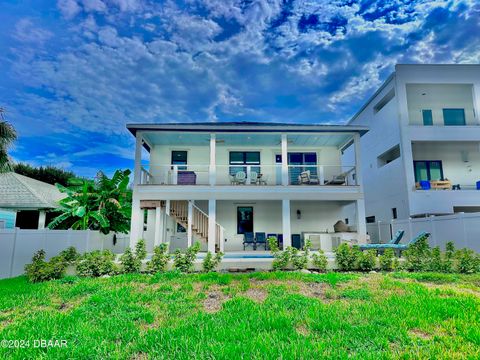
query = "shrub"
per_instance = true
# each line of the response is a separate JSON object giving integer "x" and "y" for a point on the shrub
{"x": 387, "y": 260}
{"x": 366, "y": 260}
{"x": 282, "y": 259}
{"x": 41, "y": 270}
{"x": 320, "y": 261}
{"x": 273, "y": 244}
{"x": 417, "y": 257}
{"x": 448, "y": 263}
{"x": 436, "y": 262}
{"x": 70, "y": 255}
{"x": 300, "y": 260}
{"x": 211, "y": 262}
{"x": 132, "y": 261}
{"x": 184, "y": 262}
{"x": 159, "y": 259}
{"x": 346, "y": 257}
{"x": 467, "y": 261}
{"x": 290, "y": 256}
{"x": 97, "y": 263}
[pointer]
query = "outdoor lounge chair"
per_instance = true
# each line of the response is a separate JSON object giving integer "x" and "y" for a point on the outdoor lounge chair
{"x": 395, "y": 240}
{"x": 337, "y": 180}
{"x": 397, "y": 247}
{"x": 249, "y": 240}
{"x": 241, "y": 177}
{"x": 253, "y": 177}
{"x": 260, "y": 239}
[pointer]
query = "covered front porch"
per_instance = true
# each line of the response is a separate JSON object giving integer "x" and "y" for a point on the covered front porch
{"x": 240, "y": 229}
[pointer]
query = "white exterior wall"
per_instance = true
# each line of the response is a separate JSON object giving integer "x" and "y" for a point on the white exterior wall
{"x": 400, "y": 122}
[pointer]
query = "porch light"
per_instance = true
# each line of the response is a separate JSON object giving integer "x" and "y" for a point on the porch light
{"x": 299, "y": 214}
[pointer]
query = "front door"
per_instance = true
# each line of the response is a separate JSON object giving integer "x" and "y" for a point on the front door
{"x": 244, "y": 219}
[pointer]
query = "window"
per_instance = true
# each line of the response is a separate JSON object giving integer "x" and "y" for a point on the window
{"x": 394, "y": 213}
{"x": 454, "y": 117}
{"x": 302, "y": 160}
{"x": 427, "y": 117}
{"x": 428, "y": 170}
{"x": 239, "y": 160}
{"x": 179, "y": 158}
{"x": 388, "y": 156}
{"x": 385, "y": 100}
{"x": 346, "y": 221}
{"x": 244, "y": 219}
{"x": 370, "y": 219}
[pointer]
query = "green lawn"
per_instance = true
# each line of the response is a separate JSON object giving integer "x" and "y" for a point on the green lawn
{"x": 259, "y": 315}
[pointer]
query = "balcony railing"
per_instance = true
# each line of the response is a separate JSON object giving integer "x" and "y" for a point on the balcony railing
{"x": 249, "y": 175}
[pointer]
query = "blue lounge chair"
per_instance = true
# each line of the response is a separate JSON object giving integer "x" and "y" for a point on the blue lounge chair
{"x": 260, "y": 238}
{"x": 249, "y": 240}
{"x": 395, "y": 240}
{"x": 397, "y": 247}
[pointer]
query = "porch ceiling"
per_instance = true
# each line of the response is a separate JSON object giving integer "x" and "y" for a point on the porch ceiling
{"x": 229, "y": 139}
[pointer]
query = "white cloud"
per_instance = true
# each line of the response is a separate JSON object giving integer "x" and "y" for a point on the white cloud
{"x": 26, "y": 31}
{"x": 68, "y": 8}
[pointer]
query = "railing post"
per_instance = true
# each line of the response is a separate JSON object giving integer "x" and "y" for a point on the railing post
{"x": 284, "y": 160}
{"x": 222, "y": 239}
{"x": 212, "y": 167}
{"x": 212, "y": 224}
{"x": 321, "y": 175}
{"x": 175, "y": 175}
{"x": 249, "y": 174}
{"x": 138, "y": 158}
{"x": 358, "y": 161}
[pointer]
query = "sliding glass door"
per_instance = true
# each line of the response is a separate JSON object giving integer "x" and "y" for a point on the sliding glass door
{"x": 430, "y": 170}
{"x": 301, "y": 162}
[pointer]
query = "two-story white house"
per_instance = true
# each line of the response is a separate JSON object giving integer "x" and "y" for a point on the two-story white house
{"x": 421, "y": 155}
{"x": 226, "y": 183}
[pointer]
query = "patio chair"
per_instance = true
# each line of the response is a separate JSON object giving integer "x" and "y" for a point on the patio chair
{"x": 233, "y": 181}
{"x": 280, "y": 241}
{"x": 249, "y": 240}
{"x": 395, "y": 240}
{"x": 425, "y": 185}
{"x": 397, "y": 247}
{"x": 296, "y": 241}
{"x": 307, "y": 178}
{"x": 241, "y": 177}
{"x": 260, "y": 238}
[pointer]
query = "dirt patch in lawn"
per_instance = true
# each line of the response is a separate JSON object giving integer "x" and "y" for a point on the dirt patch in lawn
{"x": 256, "y": 294}
{"x": 420, "y": 334}
{"x": 213, "y": 302}
{"x": 302, "y": 330}
{"x": 314, "y": 290}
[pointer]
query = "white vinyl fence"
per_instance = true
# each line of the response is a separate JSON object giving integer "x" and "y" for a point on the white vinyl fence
{"x": 462, "y": 228}
{"x": 18, "y": 246}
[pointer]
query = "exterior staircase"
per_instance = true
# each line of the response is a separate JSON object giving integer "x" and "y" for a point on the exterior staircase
{"x": 179, "y": 211}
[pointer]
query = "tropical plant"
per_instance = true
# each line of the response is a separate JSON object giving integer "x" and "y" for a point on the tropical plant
{"x": 347, "y": 256}
{"x": 41, "y": 270}
{"x": 159, "y": 259}
{"x": 320, "y": 261}
{"x": 184, "y": 262}
{"x": 132, "y": 260}
{"x": 211, "y": 262}
{"x": 103, "y": 204}
{"x": 7, "y": 136}
{"x": 387, "y": 260}
{"x": 366, "y": 260}
{"x": 49, "y": 174}
{"x": 97, "y": 263}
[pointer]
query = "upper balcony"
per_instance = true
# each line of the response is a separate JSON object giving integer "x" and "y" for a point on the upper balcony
{"x": 247, "y": 155}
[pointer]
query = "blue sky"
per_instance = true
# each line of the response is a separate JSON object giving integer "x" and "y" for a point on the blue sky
{"x": 74, "y": 72}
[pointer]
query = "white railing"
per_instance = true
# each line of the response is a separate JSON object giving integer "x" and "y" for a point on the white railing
{"x": 250, "y": 175}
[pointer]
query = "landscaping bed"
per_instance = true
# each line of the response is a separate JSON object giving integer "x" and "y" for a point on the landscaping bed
{"x": 258, "y": 315}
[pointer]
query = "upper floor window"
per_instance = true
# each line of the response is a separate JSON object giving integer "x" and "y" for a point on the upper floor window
{"x": 388, "y": 156}
{"x": 454, "y": 117}
{"x": 179, "y": 158}
{"x": 239, "y": 160}
{"x": 427, "y": 117}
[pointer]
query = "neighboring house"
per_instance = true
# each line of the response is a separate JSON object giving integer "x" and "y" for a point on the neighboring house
{"x": 220, "y": 182}
{"x": 421, "y": 155}
{"x": 25, "y": 202}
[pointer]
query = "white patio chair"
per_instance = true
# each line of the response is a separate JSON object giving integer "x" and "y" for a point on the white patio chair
{"x": 241, "y": 177}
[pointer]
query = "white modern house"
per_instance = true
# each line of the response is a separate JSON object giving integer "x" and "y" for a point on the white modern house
{"x": 219, "y": 183}
{"x": 421, "y": 155}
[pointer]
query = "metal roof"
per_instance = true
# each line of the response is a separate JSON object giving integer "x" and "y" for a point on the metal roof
{"x": 21, "y": 192}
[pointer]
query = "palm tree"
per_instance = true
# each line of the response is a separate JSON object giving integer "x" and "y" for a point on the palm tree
{"x": 7, "y": 136}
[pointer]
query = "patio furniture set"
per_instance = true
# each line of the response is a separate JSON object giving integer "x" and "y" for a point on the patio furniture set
{"x": 240, "y": 178}
{"x": 440, "y": 185}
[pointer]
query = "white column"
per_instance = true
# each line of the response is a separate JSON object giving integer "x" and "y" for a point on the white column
{"x": 358, "y": 161}
{"x": 361, "y": 225}
{"x": 136, "y": 225}
{"x": 41, "y": 219}
{"x": 222, "y": 240}
{"x": 284, "y": 160}
{"x": 212, "y": 168}
{"x": 286, "y": 228}
{"x": 212, "y": 212}
{"x": 175, "y": 175}
{"x": 138, "y": 159}
{"x": 249, "y": 175}
{"x": 189, "y": 225}
{"x": 158, "y": 225}
{"x": 321, "y": 175}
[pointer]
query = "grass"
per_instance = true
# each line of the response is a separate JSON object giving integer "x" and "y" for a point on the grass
{"x": 258, "y": 315}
